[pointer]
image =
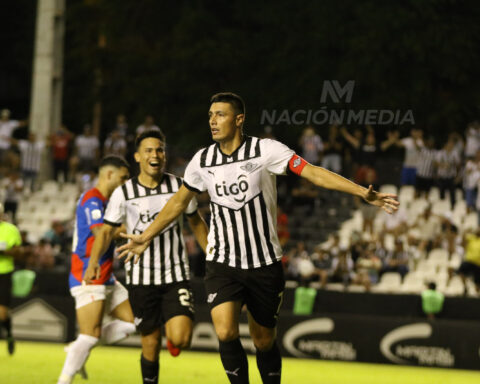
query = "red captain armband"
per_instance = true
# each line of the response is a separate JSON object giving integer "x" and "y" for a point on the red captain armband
{"x": 296, "y": 164}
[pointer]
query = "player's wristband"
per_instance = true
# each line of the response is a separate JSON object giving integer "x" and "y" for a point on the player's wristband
{"x": 296, "y": 164}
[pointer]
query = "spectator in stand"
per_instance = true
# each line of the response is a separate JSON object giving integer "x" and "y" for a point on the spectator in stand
{"x": 292, "y": 259}
{"x": 426, "y": 167}
{"x": 323, "y": 264}
{"x": 472, "y": 139}
{"x": 31, "y": 151}
{"x": 43, "y": 255}
{"x": 448, "y": 163}
{"x": 332, "y": 151}
{"x": 367, "y": 269}
{"x": 413, "y": 145}
{"x": 365, "y": 153}
{"x": 311, "y": 145}
{"x": 396, "y": 260}
{"x": 7, "y": 127}
{"x": 86, "y": 151}
{"x": 60, "y": 143}
{"x": 396, "y": 223}
{"x": 342, "y": 268}
{"x": 57, "y": 236}
{"x": 429, "y": 227}
{"x": 282, "y": 227}
{"x": 148, "y": 124}
{"x": 470, "y": 267}
{"x": 115, "y": 144}
{"x": 121, "y": 125}
{"x": 13, "y": 187}
{"x": 471, "y": 177}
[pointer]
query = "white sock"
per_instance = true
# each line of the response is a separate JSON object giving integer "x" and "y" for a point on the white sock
{"x": 77, "y": 355}
{"x": 115, "y": 331}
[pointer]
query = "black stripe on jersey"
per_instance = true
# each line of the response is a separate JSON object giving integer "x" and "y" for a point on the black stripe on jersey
{"x": 266, "y": 228}
{"x": 214, "y": 158}
{"x": 162, "y": 257}
{"x": 257, "y": 149}
{"x": 180, "y": 254}
{"x": 203, "y": 157}
{"x": 215, "y": 232}
{"x": 225, "y": 231}
{"x": 170, "y": 256}
{"x": 152, "y": 262}
{"x": 248, "y": 144}
{"x": 256, "y": 235}
{"x": 169, "y": 184}
{"x": 179, "y": 182}
{"x": 236, "y": 244}
{"x": 130, "y": 273}
{"x": 247, "y": 239}
{"x": 135, "y": 188}
{"x": 125, "y": 192}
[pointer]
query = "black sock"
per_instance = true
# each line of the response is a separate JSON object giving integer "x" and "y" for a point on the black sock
{"x": 270, "y": 365}
{"x": 7, "y": 324}
{"x": 150, "y": 371}
{"x": 234, "y": 360}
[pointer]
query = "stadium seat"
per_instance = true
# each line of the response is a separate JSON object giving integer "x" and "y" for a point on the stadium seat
{"x": 406, "y": 194}
{"x": 455, "y": 261}
{"x": 434, "y": 194}
{"x": 388, "y": 188}
{"x": 439, "y": 207}
{"x": 471, "y": 221}
{"x": 438, "y": 257}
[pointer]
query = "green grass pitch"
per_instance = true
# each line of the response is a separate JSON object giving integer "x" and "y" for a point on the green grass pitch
{"x": 40, "y": 363}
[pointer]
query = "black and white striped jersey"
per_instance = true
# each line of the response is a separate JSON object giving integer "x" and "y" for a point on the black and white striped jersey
{"x": 243, "y": 194}
{"x": 165, "y": 260}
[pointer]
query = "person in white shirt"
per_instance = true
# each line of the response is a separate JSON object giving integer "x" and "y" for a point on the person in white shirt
{"x": 471, "y": 177}
{"x": 412, "y": 144}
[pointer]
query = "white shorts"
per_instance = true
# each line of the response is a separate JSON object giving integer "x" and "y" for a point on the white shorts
{"x": 113, "y": 295}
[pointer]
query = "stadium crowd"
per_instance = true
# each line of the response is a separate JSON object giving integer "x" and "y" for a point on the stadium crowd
{"x": 306, "y": 214}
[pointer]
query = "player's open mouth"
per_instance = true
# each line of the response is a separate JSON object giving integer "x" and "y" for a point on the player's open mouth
{"x": 154, "y": 164}
{"x": 214, "y": 131}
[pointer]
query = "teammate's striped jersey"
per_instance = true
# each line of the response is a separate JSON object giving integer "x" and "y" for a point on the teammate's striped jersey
{"x": 243, "y": 194}
{"x": 89, "y": 214}
{"x": 426, "y": 163}
{"x": 165, "y": 261}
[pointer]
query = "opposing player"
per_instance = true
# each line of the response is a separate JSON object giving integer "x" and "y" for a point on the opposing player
{"x": 103, "y": 294}
{"x": 159, "y": 287}
{"x": 243, "y": 252}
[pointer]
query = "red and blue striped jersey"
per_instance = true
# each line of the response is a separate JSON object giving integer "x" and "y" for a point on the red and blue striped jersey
{"x": 89, "y": 214}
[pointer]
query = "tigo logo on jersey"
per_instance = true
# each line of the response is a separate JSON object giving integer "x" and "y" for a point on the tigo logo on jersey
{"x": 233, "y": 189}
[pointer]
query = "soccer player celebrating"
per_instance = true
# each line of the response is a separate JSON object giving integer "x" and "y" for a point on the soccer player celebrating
{"x": 243, "y": 251}
{"x": 159, "y": 288}
{"x": 104, "y": 294}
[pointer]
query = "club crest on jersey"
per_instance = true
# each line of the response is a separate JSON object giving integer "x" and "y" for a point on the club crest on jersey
{"x": 235, "y": 189}
{"x": 249, "y": 167}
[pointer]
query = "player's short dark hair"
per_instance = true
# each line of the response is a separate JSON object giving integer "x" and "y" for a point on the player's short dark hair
{"x": 154, "y": 133}
{"x": 432, "y": 285}
{"x": 231, "y": 98}
{"x": 114, "y": 161}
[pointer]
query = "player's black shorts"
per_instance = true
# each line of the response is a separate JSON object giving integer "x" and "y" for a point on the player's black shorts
{"x": 5, "y": 289}
{"x": 470, "y": 269}
{"x": 424, "y": 184}
{"x": 261, "y": 289}
{"x": 154, "y": 305}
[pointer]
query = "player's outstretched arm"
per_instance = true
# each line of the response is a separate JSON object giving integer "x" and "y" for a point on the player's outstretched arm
{"x": 138, "y": 243}
{"x": 199, "y": 229}
{"x": 103, "y": 237}
{"x": 331, "y": 180}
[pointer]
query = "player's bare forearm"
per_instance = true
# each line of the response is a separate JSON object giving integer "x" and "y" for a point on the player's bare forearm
{"x": 199, "y": 229}
{"x": 118, "y": 231}
{"x": 331, "y": 180}
{"x": 174, "y": 207}
{"x": 103, "y": 237}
